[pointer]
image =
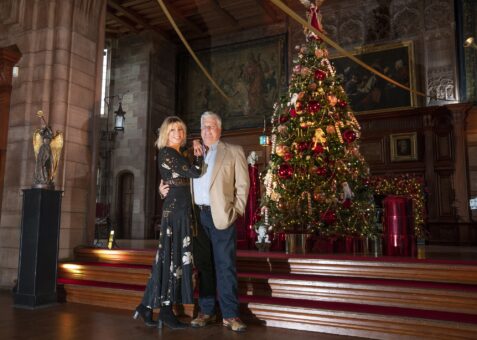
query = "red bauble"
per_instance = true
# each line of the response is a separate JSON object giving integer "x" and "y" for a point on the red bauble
{"x": 318, "y": 149}
{"x": 342, "y": 103}
{"x": 292, "y": 112}
{"x": 349, "y": 136}
{"x": 313, "y": 106}
{"x": 302, "y": 146}
{"x": 321, "y": 171}
{"x": 283, "y": 119}
{"x": 287, "y": 156}
{"x": 320, "y": 75}
{"x": 328, "y": 217}
{"x": 347, "y": 203}
{"x": 285, "y": 171}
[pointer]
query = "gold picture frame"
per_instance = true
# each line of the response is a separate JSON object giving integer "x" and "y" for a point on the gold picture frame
{"x": 403, "y": 147}
{"x": 368, "y": 93}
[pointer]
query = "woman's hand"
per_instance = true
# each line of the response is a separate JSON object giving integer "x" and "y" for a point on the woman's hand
{"x": 163, "y": 189}
{"x": 198, "y": 148}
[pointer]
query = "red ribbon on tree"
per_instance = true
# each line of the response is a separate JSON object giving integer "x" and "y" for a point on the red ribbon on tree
{"x": 252, "y": 212}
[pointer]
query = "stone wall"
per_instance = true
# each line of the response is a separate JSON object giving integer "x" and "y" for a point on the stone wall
{"x": 143, "y": 70}
{"x": 59, "y": 41}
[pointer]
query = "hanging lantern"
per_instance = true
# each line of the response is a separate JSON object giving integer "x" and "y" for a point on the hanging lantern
{"x": 264, "y": 139}
{"x": 119, "y": 119}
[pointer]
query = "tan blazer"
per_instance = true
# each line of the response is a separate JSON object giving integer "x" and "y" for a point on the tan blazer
{"x": 229, "y": 185}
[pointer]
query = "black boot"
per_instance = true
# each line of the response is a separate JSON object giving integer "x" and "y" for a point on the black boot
{"x": 167, "y": 317}
{"x": 146, "y": 315}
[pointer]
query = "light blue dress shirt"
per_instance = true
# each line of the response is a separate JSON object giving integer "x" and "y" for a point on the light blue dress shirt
{"x": 202, "y": 184}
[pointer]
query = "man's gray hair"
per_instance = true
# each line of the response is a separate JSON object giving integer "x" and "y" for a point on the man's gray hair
{"x": 213, "y": 115}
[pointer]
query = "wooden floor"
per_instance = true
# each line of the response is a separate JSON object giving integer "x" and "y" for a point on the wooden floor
{"x": 71, "y": 321}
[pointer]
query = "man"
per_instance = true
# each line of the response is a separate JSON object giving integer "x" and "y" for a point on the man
{"x": 220, "y": 196}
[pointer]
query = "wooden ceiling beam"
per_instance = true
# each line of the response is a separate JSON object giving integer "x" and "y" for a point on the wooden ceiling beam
{"x": 122, "y": 22}
{"x": 127, "y": 12}
{"x": 224, "y": 14}
{"x": 268, "y": 9}
{"x": 139, "y": 19}
{"x": 180, "y": 17}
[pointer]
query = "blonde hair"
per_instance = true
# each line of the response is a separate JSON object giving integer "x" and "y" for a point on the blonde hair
{"x": 166, "y": 127}
{"x": 213, "y": 115}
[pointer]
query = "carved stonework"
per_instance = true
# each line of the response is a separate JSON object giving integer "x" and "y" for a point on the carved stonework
{"x": 352, "y": 32}
{"x": 441, "y": 84}
{"x": 379, "y": 22}
{"x": 438, "y": 15}
{"x": 407, "y": 22}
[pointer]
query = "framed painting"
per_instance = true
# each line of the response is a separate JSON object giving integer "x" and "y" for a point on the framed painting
{"x": 252, "y": 74}
{"x": 403, "y": 147}
{"x": 368, "y": 92}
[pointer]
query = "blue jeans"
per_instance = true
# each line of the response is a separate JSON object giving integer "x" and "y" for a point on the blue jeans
{"x": 215, "y": 255}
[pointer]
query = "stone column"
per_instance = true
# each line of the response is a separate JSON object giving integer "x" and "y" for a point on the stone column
{"x": 9, "y": 56}
{"x": 60, "y": 41}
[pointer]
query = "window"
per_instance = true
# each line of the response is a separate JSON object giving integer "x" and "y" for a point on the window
{"x": 104, "y": 79}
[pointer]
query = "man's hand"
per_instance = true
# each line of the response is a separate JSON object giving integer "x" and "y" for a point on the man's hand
{"x": 163, "y": 189}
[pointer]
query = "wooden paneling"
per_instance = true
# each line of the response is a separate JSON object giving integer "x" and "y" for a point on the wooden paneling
{"x": 446, "y": 196}
{"x": 438, "y": 130}
{"x": 374, "y": 151}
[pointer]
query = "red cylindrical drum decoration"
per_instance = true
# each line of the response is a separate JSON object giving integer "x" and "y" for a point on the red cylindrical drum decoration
{"x": 395, "y": 236}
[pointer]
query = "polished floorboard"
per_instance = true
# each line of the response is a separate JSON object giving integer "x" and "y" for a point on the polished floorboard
{"x": 71, "y": 321}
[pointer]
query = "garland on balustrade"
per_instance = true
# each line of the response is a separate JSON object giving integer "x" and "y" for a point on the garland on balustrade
{"x": 409, "y": 186}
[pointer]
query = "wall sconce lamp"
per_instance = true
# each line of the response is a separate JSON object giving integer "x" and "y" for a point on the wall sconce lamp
{"x": 264, "y": 139}
{"x": 119, "y": 119}
{"x": 470, "y": 42}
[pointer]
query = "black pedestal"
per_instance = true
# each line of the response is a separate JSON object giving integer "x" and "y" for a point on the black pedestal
{"x": 37, "y": 267}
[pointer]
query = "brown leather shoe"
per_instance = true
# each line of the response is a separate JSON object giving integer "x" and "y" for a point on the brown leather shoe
{"x": 203, "y": 320}
{"x": 235, "y": 324}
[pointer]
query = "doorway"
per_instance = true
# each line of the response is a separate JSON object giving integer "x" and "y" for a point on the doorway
{"x": 125, "y": 205}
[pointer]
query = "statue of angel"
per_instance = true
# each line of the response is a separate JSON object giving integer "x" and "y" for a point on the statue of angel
{"x": 313, "y": 15}
{"x": 47, "y": 147}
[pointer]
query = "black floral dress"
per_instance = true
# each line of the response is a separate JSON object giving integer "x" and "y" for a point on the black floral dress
{"x": 171, "y": 274}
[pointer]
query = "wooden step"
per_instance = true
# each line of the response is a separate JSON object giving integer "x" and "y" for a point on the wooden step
{"x": 106, "y": 294}
{"x": 327, "y": 265}
{"x": 417, "y": 295}
{"x": 361, "y": 324}
{"x": 383, "y": 298}
{"x": 95, "y": 271}
{"x": 343, "y": 319}
{"x": 398, "y": 293}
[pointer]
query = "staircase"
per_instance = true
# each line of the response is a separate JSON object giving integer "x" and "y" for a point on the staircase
{"x": 346, "y": 295}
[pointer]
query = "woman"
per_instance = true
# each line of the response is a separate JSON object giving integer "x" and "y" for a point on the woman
{"x": 171, "y": 276}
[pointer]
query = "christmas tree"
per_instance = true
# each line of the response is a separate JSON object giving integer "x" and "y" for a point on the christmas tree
{"x": 316, "y": 180}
